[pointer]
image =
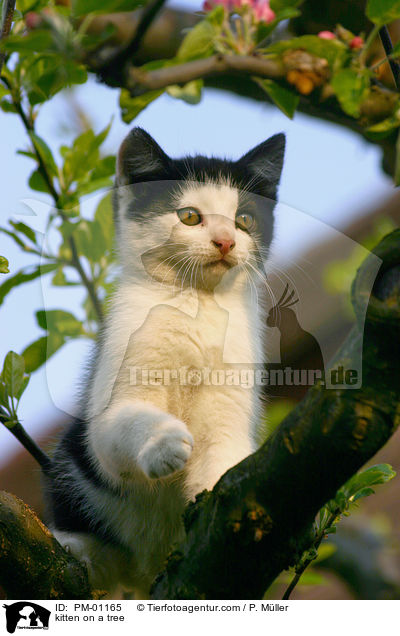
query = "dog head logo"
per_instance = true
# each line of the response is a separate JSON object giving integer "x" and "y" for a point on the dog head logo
{"x": 26, "y": 615}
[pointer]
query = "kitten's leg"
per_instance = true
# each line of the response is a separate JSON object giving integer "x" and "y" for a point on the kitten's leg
{"x": 133, "y": 438}
{"x": 222, "y": 434}
{"x": 106, "y": 565}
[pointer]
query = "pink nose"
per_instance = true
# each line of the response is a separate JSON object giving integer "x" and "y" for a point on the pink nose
{"x": 224, "y": 245}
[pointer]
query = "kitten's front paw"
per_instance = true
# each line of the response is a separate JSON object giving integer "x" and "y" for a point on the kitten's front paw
{"x": 167, "y": 451}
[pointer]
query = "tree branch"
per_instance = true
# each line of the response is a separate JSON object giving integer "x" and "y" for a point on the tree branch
{"x": 32, "y": 563}
{"x": 112, "y": 70}
{"x": 257, "y": 520}
{"x": 387, "y": 45}
{"x": 8, "y": 13}
{"x": 214, "y": 65}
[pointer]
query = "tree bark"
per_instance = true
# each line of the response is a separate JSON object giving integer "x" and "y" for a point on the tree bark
{"x": 32, "y": 563}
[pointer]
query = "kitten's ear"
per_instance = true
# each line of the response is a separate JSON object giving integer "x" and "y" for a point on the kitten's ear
{"x": 140, "y": 158}
{"x": 264, "y": 163}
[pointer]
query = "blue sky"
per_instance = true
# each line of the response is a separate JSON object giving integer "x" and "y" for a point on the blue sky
{"x": 330, "y": 173}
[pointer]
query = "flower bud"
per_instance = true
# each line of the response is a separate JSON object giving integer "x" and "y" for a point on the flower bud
{"x": 327, "y": 35}
{"x": 357, "y": 42}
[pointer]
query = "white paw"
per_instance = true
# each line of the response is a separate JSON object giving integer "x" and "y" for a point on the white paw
{"x": 167, "y": 451}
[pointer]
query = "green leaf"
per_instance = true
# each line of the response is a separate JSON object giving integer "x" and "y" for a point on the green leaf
{"x": 15, "y": 238}
{"x": 59, "y": 321}
{"x": 189, "y": 93}
{"x": 13, "y": 373}
{"x": 83, "y": 7}
{"x": 351, "y": 88}
{"x": 92, "y": 185}
{"x": 7, "y": 106}
{"x": 38, "y": 352}
{"x": 23, "y": 386}
{"x": 132, "y": 106}
{"x": 31, "y": 5}
{"x": 24, "y": 276}
{"x": 48, "y": 73}
{"x": 24, "y": 229}
{"x": 4, "y": 265}
{"x": 383, "y": 11}
{"x": 199, "y": 42}
{"x": 365, "y": 492}
{"x": 278, "y": 5}
{"x": 217, "y": 16}
{"x": 83, "y": 158}
{"x": 104, "y": 218}
{"x": 286, "y": 100}
{"x": 265, "y": 29}
{"x": 104, "y": 168}
{"x": 37, "y": 182}
{"x": 3, "y": 394}
{"x": 379, "y": 474}
{"x": 331, "y": 530}
{"x": 385, "y": 127}
{"x": 27, "y": 153}
{"x": 44, "y": 152}
{"x": 89, "y": 240}
{"x": 37, "y": 40}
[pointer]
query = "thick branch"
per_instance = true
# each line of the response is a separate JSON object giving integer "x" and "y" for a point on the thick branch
{"x": 32, "y": 563}
{"x": 257, "y": 520}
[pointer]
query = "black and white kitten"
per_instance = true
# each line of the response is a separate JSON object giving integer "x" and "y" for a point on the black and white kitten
{"x": 191, "y": 237}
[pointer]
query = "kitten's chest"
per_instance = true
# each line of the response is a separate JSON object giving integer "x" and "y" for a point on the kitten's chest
{"x": 185, "y": 339}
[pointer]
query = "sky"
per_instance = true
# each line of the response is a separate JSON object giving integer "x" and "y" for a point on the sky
{"x": 330, "y": 174}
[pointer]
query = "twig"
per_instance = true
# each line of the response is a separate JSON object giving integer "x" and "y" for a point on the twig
{"x": 388, "y": 46}
{"x": 214, "y": 65}
{"x": 304, "y": 565}
{"x": 75, "y": 260}
{"x": 22, "y": 436}
{"x": 113, "y": 68}
{"x": 148, "y": 15}
{"x": 8, "y": 12}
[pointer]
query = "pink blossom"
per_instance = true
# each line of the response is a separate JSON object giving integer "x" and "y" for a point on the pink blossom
{"x": 263, "y": 12}
{"x": 357, "y": 42}
{"x": 209, "y": 5}
{"x": 242, "y": 3}
{"x": 327, "y": 35}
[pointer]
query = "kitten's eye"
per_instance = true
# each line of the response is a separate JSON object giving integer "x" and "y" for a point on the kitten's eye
{"x": 245, "y": 221}
{"x": 189, "y": 216}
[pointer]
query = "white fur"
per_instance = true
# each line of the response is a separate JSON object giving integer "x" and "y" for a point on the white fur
{"x": 163, "y": 444}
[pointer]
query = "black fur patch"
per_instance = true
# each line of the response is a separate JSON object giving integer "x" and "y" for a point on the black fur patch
{"x": 142, "y": 161}
{"x": 67, "y": 508}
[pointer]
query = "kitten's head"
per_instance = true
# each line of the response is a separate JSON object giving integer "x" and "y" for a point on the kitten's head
{"x": 192, "y": 220}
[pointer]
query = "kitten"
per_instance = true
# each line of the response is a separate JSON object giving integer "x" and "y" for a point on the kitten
{"x": 155, "y": 431}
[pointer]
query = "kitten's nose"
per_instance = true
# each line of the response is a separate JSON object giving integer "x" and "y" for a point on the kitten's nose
{"x": 224, "y": 245}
